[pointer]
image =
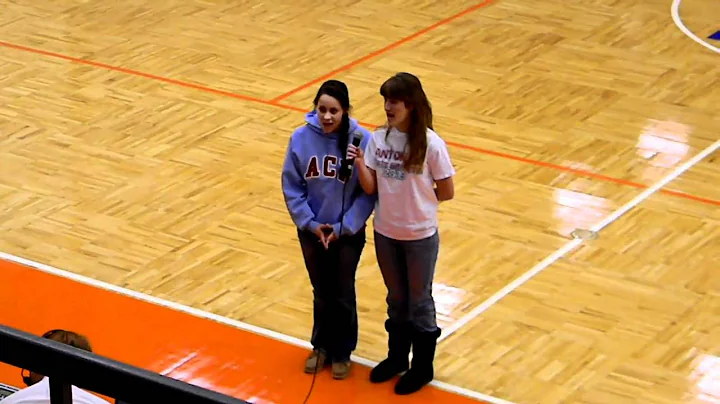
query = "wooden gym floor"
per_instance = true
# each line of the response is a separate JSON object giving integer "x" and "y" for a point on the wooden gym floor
{"x": 142, "y": 142}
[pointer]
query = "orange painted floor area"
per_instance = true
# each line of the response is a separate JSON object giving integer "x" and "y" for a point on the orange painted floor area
{"x": 196, "y": 350}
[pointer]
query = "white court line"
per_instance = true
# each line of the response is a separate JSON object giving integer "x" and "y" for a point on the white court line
{"x": 570, "y": 245}
{"x": 223, "y": 320}
{"x": 675, "y": 12}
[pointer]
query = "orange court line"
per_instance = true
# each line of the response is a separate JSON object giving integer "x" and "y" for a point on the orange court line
{"x": 379, "y": 52}
{"x": 147, "y": 75}
{"x": 199, "y": 87}
{"x": 584, "y": 173}
{"x": 196, "y": 350}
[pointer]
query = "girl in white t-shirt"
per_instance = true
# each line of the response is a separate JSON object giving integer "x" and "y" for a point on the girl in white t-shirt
{"x": 409, "y": 167}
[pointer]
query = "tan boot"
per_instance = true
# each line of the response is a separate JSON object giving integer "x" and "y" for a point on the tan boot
{"x": 315, "y": 362}
{"x": 341, "y": 370}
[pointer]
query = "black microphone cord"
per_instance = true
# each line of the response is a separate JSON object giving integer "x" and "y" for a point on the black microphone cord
{"x": 312, "y": 384}
{"x": 342, "y": 219}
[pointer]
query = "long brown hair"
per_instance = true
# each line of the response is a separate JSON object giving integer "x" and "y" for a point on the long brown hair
{"x": 407, "y": 88}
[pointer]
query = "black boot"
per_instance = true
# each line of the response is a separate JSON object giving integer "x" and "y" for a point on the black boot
{"x": 421, "y": 372}
{"x": 398, "y": 361}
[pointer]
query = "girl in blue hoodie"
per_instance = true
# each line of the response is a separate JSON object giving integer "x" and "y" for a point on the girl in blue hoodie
{"x": 329, "y": 209}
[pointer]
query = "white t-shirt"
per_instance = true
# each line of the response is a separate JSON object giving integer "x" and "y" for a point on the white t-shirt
{"x": 39, "y": 393}
{"x": 407, "y": 206}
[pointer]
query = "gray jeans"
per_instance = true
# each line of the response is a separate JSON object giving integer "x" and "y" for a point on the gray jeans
{"x": 408, "y": 268}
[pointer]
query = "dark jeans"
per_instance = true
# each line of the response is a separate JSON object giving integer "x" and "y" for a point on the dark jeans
{"x": 408, "y": 268}
{"x": 332, "y": 275}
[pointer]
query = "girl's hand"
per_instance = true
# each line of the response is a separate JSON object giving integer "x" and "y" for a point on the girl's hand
{"x": 355, "y": 152}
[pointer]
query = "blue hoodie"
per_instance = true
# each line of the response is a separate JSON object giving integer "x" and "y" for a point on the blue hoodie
{"x": 313, "y": 194}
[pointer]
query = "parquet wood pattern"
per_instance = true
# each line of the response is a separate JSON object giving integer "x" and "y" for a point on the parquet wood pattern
{"x": 630, "y": 317}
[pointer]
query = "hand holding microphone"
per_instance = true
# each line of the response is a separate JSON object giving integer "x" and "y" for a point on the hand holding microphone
{"x": 351, "y": 153}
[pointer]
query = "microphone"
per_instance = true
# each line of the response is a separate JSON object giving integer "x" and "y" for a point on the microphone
{"x": 347, "y": 163}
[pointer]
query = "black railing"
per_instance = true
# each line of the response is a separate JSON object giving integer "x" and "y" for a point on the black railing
{"x": 6, "y": 390}
{"x": 65, "y": 366}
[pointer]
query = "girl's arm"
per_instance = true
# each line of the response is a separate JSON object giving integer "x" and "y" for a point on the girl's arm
{"x": 366, "y": 176}
{"x": 365, "y": 168}
{"x": 445, "y": 189}
{"x": 441, "y": 169}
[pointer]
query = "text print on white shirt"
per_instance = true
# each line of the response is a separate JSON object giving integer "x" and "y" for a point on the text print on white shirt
{"x": 391, "y": 162}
